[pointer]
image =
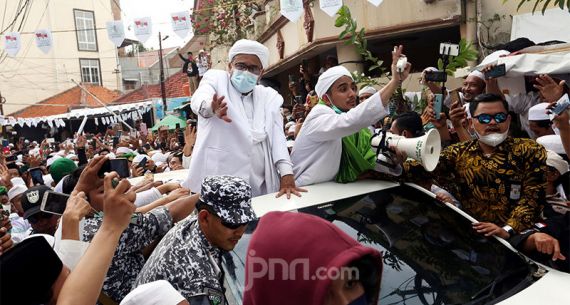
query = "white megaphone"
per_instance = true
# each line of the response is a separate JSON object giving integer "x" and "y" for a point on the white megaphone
{"x": 424, "y": 149}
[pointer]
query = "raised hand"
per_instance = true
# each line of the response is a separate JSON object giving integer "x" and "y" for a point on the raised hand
{"x": 549, "y": 89}
{"x": 396, "y": 54}
{"x": 118, "y": 203}
{"x": 220, "y": 108}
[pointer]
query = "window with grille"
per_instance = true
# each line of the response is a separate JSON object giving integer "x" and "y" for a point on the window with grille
{"x": 85, "y": 30}
{"x": 90, "y": 71}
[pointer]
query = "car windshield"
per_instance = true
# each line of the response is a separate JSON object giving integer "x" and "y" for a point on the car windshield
{"x": 431, "y": 254}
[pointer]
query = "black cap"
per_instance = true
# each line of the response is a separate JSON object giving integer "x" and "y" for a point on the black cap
{"x": 32, "y": 200}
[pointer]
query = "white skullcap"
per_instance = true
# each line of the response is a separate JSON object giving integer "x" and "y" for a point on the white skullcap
{"x": 159, "y": 157}
{"x": 35, "y": 152}
{"x": 252, "y": 47}
{"x": 477, "y": 74}
{"x": 154, "y": 293}
{"x": 328, "y": 78}
{"x": 16, "y": 190}
{"x": 139, "y": 158}
{"x": 289, "y": 124}
{"x": 111, "y": 156}
{"x": 552, "y": 142}
{"x": 290, "y": 143}
{"x": 367, "y": 90}
{"x": 291, "y": 128}
{"x": 18, "y": 181}
{"x": 123, "y": 150}
{"x": 538, "y": 112}
{"x": 493, "y": 57}
{"x": 50, "y": 161}
{"x": 555, "y": 160}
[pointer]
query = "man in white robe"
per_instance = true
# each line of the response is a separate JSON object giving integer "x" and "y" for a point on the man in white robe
{"x": 317, "y": 151}
{"x": 240, "y": 127}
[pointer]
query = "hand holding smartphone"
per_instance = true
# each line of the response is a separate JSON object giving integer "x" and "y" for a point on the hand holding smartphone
{"x": 561, "y": 105}
{"x": 120, "y": 165}
{"x": 437, "y": 105}
{"x": 54, "y": 202}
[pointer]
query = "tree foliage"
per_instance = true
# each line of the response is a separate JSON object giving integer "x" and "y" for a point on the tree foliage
{"x": 563, "y": 4}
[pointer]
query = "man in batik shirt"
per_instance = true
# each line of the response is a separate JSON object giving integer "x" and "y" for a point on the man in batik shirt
{"x": 498, "y": 179}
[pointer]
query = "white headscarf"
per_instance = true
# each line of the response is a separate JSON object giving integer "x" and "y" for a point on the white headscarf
{"x": 252, "y": 47}
{"x": 328, "y": 78}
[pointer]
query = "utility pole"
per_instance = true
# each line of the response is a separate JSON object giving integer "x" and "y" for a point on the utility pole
{"x": 162, "y": 87}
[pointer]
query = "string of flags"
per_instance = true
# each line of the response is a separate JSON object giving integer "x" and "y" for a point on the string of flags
{"x": 180, "y": 22}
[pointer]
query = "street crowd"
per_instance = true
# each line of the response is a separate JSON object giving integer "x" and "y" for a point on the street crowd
{"x": 504, "y": 161}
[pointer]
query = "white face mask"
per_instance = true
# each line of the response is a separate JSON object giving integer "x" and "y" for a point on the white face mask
{"x": 493, "y": 139}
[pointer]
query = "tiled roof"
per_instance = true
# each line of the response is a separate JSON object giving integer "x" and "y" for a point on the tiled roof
{"x": 65, "y": 101}
{"x": 173, "y": 86}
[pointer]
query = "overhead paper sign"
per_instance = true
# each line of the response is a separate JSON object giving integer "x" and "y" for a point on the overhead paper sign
{"x": 143, "y": 28}
{"x": 181, "y": 23}
{"x": 44, "y": 40}
{"x": 12, "y": 43}
{"x": 331, "y": 6}
{"x": 116, "y": 32}
{"x": 376, "y": 2}
{"x": 292, "y": 9}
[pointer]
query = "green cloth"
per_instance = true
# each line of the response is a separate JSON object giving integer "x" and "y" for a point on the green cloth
{"x": 60, "y": 168}
{"x": 357, "y": 156}
{"x": 3, "y": 190}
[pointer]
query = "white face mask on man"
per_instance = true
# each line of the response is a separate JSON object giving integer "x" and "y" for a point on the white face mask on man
{"x": 493, "y": 139}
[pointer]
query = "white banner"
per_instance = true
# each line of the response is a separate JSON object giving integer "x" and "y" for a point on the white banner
{"x": 12, "y": 43}
{"x": 376, "y": 2}
{"x": 116, "y": 32}
{"x": 143, "y": 28}
{"x": 181, "y": 23}
{"x": 331, "y": 6}
{"x": 44, "y": 40}
{"x": 292, "y": 9}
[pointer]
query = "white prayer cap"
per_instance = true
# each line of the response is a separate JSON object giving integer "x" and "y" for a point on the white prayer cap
{"x": 289, "y": 124}
{"x": 290, "y": 143}
{"x": 159, "y": 157}
{"x": 139, "y": 158}
{"x": 123, "y": 150}
{"x": 552, "y": 142}
{"x": 555, "y": 160}
{"x": 154, "y": 293}
{"x": 292, "y": 128}
{"x": 18, "y": 181}
{"x": 16, "y": 190}
{"x": 19, "y": 158}
{"x": 367, "y": 90}
{"x": 493, "y": 57}
{"x": 430, "y": 69}
{"x": 50, "y": 161}
{"x": 328, "y": 78}
{"x": 477, "y": 74}
{"x": 538, "y": 112}
{"x": 252, "y": 47}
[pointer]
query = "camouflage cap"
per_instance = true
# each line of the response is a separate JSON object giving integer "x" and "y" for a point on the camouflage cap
{"x": 229, "y": 197}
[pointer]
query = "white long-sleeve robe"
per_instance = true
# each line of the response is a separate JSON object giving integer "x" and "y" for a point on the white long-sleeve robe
{"x": 318, "y": 147}
{"x": 254, "y": 137}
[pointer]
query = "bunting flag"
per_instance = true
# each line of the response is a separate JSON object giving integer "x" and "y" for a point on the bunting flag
{"x": 143, "y": 28}
{"x": 376, "y": 2}
{"x": 44, "y": 40}
{"x": 116, "y": 32}
{"x": 291, "y": 9}
{"x": 181, "y": 23}
{"x": 12, "y": 43}
{"x": 96, "y": 122}
{"x": 330, "y": 6}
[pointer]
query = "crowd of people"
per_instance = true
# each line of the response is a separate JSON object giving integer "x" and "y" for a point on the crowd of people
{"x": 152, "y": 242}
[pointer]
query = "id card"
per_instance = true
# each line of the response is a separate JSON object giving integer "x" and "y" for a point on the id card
{"x": 515, "y": 192}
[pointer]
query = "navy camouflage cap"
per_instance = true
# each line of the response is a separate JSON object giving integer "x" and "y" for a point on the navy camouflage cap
{"x": 229, "y": 197}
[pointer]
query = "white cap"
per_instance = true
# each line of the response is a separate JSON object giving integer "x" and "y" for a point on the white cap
{"x": 367, "y": 90}
{"x": 153, "y": 293}
{"x": 538, "y": 112}
{"x": 251, "y": 47}
{"x": 123, "y": 150}
{"x": 159, "y": 157}
{"x": 50, "y": 161}
{"x": 328, "y": 78}
{"x": 18, "y": 181}
{"x": 552, "y": 142}
{"x": 477, "y": 74}
{"x": 16, "y": 190}
{"x": 555, "y": 160}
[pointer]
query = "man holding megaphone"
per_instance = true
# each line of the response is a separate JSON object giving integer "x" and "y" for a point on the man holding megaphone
{"x": 498, "y": 179}
{"x": 334, "y": 140}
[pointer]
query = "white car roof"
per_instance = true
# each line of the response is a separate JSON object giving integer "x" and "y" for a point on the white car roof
{"x": 317, "y": 194}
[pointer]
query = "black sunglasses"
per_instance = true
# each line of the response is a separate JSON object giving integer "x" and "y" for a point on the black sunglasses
{"x": 485, "y": 118}
{"x": 233, "y": 226}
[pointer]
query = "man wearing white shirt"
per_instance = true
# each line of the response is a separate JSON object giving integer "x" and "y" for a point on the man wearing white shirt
{"x": 317, "y": 151}
{"x": 240, "y": 128}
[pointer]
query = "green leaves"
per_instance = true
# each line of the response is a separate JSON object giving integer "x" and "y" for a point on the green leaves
{"x": 545, "y": 4}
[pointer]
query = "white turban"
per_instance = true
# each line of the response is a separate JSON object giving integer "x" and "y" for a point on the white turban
{"x": 477, "y": 74}
{"x": 555, "y": 160}
{"x": 123, "y": 150}
{"x": 538, "y": 112}
{"x": 367, "y": 90}
{"x": 552, "y": 142}
{"x": 328, "y": 78}
{"x": 153, "y": 293}
{"x": 252, "y": 47}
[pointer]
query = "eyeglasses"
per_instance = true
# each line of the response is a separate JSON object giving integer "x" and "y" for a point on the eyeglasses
{"x": 33, "y": 219}
{"x": 243, "y": 67}
{"x": 485, "y": 118}
{"x": 233, "y": 226}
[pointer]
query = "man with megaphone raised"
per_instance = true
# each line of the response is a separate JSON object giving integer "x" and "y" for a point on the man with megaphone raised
{"x": 335, "y": 140}
{"x": 499, "y": 180}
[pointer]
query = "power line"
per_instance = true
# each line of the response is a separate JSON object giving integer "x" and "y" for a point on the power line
{"x": 17, "y": 15}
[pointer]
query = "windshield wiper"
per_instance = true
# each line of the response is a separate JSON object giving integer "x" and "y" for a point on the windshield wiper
{"x": 481, "y": 295}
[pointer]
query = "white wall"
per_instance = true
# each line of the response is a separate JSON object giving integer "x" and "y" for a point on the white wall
{"x": 32, "y": 75}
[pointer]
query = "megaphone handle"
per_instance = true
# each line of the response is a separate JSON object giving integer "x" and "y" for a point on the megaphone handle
{"x": 385, "y": 163}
